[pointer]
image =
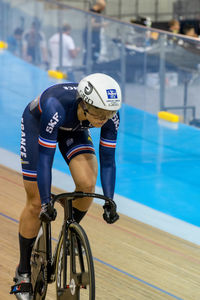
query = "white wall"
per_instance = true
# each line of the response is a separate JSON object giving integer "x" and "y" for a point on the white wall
{"x": 145, "y": 8}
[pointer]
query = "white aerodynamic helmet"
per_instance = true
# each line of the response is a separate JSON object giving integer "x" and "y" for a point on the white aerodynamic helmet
{"x": 101, "y": 91}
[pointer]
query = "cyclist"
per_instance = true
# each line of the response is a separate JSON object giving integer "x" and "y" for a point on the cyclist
{"x": 64, "y": 113}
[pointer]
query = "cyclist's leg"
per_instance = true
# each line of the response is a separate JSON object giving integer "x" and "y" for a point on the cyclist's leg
{"x": 29, "y": 222}
{"x": 83, "y": 168}
{"x": 28, "y": 229}
{"x": 78, "y": 151}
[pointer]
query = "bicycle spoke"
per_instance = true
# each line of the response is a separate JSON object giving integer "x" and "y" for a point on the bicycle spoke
{"x": 80, "y": 283}
{"x": 39, "y": 268}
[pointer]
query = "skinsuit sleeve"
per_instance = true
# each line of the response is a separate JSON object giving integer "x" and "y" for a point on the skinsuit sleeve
{"x": 51, "y": 119}
{"x": 107, "y": 147}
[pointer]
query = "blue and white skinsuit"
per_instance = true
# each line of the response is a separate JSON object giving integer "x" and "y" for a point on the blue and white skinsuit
{"x": 52, "y": 118}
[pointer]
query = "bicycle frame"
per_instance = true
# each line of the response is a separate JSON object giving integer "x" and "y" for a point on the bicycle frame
{"x": 46, "y": 228}
{"x": 46, "y": 257}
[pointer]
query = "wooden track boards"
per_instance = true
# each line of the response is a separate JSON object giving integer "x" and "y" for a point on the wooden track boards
{"x": 133, "y": 261}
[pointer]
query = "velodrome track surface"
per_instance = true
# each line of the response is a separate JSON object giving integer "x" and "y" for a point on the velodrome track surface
{"x": 133, "y": 261}
{"x": 157, "y": 166}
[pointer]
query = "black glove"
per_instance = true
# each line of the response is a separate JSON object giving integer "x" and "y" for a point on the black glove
{"x": 110, "y": 216}
{"x": 47, "y": 213}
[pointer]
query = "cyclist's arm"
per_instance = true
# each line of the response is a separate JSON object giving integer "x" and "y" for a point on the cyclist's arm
{"x": 51, "y": 119}
{"x": 107, "y": 155}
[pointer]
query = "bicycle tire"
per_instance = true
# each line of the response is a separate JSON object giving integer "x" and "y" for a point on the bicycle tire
{"x": 39, "y": 267}
{"x": 80, "y": 283}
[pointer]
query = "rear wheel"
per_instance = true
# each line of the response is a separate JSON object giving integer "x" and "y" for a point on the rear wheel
{"x": 80, "y": 277}
{"x": 39, "y": 267}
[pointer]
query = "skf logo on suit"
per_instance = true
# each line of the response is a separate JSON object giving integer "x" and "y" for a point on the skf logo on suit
{"x": 52, "y": 123}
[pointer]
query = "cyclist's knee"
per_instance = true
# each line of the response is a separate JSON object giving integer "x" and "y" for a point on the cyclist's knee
{"x": 84, "y": 172}
{"x": 33, "y": 204}
{"x": 34, "y": 209}
{"x": 87, "y": 185}
{"x": 88, "y": 182}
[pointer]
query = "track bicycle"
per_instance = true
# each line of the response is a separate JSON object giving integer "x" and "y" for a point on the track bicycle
{"x": 71, "y": 265}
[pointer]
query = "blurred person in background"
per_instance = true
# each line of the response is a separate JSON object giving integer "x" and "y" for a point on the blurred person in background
{"x": 34, "y": 45}
{"x": 192, "y": 45}
{"x": 174, "y": 26}
{"x": 97, "y": 25}
{"x": 143, "y": 40}
{"x": 189, "y": 30}
{"x": 69, "y": 51}
{"x": 15, "y": 42}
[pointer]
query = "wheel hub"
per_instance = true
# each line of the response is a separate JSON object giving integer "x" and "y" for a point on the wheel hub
{"x": 72, "y": 286}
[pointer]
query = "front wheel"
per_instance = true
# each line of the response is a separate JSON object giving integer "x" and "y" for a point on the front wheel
{"x": 80, "y": 277}
{"x": 39, "y": 267}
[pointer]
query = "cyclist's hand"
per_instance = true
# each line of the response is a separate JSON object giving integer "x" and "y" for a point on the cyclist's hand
{"x": 109, "y": 216}
{"x": 47, "y": 213}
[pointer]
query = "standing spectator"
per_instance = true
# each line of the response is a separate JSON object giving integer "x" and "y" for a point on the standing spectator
{"x": 34, "y": 45}
{"x": 15, "y": 42}
{"x": 97, "y": 25}
{"x": 69, "y": 51}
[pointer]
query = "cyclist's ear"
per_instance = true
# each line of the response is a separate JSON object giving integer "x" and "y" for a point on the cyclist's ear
{"x": 84, "y": 107}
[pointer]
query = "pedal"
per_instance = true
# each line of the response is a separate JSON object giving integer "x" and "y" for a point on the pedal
{"x": 22, "y": 287}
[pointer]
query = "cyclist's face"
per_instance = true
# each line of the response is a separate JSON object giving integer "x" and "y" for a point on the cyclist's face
{"x": 95, "y": 120}
{"x": 98, "y": 117}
